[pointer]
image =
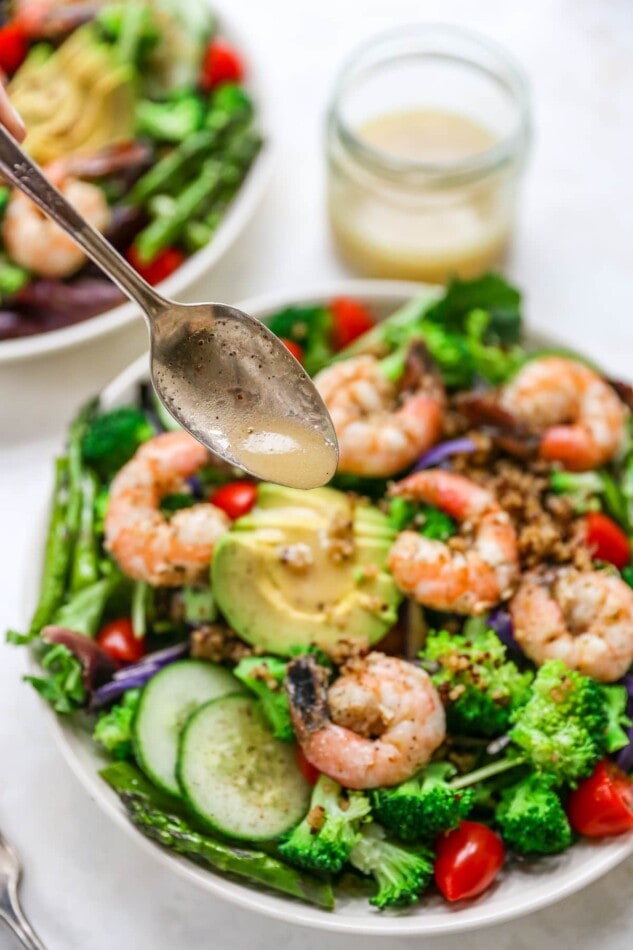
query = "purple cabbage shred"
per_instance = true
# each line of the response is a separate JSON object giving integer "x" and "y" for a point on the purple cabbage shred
{"x": 500, "y": 621}
{"x": 439, "y": 453}
{"x": 137, "y": 675}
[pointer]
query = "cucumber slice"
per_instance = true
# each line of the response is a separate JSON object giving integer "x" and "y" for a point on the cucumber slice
{"x": 236, "y": 777}
{"x": 168, "y": 700}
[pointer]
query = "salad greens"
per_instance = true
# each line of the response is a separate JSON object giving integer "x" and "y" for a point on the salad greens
{"x": 520, "y": 737}
{"x": 264, "y": 676}
{"x": 113, "y": 730}
{"x": 471, "y": 332}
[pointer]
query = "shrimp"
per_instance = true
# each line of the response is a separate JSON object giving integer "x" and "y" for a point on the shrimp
{"x": 377, "y": 725}
{"x": 37, "y": 243}
{"x": 584, "y": 618}
{"x": 581, "y": 418}
{"x": 466, "y": 582}
{"x": 148, "y": 546}
{"x": 380, "y": 430}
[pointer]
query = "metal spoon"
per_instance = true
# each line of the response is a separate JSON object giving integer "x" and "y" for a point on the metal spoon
{"x": 218, "y": 371}
{"x": 10, "y": 910}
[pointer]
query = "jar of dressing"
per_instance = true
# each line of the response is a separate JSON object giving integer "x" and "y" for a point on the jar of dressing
{"x": 426, "y": 139}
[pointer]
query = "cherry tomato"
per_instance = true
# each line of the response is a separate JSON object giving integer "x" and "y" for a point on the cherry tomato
{"x": 309, "y": 772}
{"x": 468, "y": 860}
{"x": 220, "y": 64}
{"x": 294, "y": 348}
{"x": 13, "y": 47}
{"x": 606, "y": 539}
{"x": 236, "y": 498}
{"x": 351, "y": 320}
{"x": 118, "y": 640}
{"x": 160, "y": 267}
{"x": 603, "y": 803}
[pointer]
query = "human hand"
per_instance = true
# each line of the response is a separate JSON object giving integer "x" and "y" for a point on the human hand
{"x": 9, "y": 117}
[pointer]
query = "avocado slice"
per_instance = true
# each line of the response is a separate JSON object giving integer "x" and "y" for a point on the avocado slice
{"x": 306, "y": 567}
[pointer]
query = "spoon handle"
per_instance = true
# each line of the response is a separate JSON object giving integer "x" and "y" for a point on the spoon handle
{"x": 22, "y": 172}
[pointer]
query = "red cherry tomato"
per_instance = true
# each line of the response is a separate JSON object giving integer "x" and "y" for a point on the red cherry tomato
{"x": 220, "y": 64}
{"x": 160, "y": 267}
{"x": 294, "y": 348}
{"x": 603, "y": 803}
{"x": 13, "y": 47}
{"x": 351, "y": 320}
{"x": 118, "y": 640}
{"x": 306, "y": 768}
{"x": 236, "y": 498}
{"x": 606, "y": 539}
{"x": 468, "y": 860}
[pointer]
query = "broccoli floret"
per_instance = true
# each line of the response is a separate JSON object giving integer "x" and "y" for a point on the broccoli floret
{"x": 569, "y": 722}
{"x": 401, "y": 872}
{"x": 427, "y": 519}
{"x": 325, "y": 837}
{"x": 129, "y": 26}
{"x": 114, "y": 728}
{"x": 113, "y": 438}
{"x": 172, "y": 120}
{"x": 12, "y": 277}
{"x": 264, "y": 676}
{"x": 615, "y": 704}
{"x": 531, "y": 817}
{"x": 480, "y": 687}
{"x": 584, "y": 489}
{"x": 423, "y": 806}
{"x": 562, "y": 728}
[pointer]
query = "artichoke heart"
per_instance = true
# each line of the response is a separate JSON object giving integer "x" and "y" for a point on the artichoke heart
{"x": 79, "y": 98}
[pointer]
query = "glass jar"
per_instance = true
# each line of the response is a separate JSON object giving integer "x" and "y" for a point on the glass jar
{"x": 427, "y": 137}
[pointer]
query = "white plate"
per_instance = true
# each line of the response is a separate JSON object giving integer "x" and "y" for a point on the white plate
{"x": 522, "y": 888}
{"x": 232, "y": 225}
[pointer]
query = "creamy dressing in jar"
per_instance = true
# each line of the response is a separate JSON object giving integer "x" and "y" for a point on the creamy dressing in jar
{"x": 427, "y": 134}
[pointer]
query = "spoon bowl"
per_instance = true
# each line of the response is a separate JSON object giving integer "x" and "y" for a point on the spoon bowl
{"x": 220, "y": 373}
{"x": 230, "y": 382}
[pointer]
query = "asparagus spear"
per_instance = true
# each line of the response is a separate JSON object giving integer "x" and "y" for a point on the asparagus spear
{"x": 85, "y": 565}
{"x": 231, "y": 110}
{"x": 76, "y": 470}
{"x": 162, "y": 818}
{"x": 57, "y": 552}
{"x": 164, "y": 230}
{"x": 195, "y": 201}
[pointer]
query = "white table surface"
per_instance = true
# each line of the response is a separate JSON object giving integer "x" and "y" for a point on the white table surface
{"x": 87, "y": 887}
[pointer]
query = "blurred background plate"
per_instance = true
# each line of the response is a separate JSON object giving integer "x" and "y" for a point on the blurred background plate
{"x": 233, "y": 224}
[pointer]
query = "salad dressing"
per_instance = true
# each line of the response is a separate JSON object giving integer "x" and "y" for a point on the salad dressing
{"x": 282, "y": 450}
{"x": 410, "y": 224}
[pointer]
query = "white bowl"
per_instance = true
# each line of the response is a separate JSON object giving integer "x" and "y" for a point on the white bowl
{"x": 232, "y": 225}
{"x": 522, "y": 888}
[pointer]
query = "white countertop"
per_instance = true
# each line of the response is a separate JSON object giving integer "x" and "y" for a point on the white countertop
{"x": 87, "y": 886}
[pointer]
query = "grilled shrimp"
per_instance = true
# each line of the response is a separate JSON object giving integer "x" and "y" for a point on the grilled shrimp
{"x": 37, "y": 243}
{"x": 466, "y": 582}
{"x": 378, "y": 723}
{"x": 381, "y": 428}
{"x": 148, "y": 546}
{"x": 581, "y": 418}
{"x": 584, "y": 618}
